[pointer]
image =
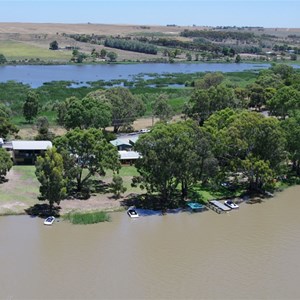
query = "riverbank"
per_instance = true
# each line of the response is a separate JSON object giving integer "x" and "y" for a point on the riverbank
{"x": 21, "y": 191}
{"x": 19, "y": 195}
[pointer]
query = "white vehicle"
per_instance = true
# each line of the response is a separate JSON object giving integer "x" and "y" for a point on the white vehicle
{"x": 132, "y": 213}
{"x": 49, "y": 220}
{"x": 144, "y": 130}
{"x": 231, "y": 204}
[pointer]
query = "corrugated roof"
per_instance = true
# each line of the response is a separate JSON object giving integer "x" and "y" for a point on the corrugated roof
{"x": 31, "y": 145}
{"x": 128, "y": 140}
{"x": 119, "y": 142}
{"x": 129, "y": 155}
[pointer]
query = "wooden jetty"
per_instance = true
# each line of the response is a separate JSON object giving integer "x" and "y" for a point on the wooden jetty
{"x": 218, "y": 207}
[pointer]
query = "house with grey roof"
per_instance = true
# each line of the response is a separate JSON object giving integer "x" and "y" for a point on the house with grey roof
{"x": 26, "y": 152}
{"x": 128, "y": 157}
{"x": 125, "y": 142}
{"x": 125, "y": 145}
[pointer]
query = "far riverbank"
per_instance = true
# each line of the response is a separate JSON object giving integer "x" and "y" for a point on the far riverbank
{"x": 37, "y": 75}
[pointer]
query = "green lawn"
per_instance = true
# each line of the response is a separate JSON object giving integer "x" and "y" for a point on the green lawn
{"x": 19, "y": 51}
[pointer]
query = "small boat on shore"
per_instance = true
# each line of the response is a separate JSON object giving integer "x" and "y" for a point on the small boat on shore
{"x": 231, "y": 204}
{"x": 132, "y": 213}
{"x": 49, "y": 220}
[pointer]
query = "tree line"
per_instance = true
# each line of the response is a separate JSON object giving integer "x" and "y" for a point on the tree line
{"x": 130, "y": 45}
{"x": 219, "y": 36}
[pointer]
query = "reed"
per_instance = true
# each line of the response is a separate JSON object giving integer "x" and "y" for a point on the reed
{"x": 87, "y": 218}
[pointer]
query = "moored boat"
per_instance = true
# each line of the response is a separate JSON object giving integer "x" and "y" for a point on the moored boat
{"x": 132, "y": 213}
{"x": 49, "y": 220}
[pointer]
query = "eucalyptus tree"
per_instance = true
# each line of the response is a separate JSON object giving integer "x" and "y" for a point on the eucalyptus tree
{"x": 173, "y": 155}
{"x": 84, "y": 113}
{"x": 126, "y": 108}
{"x": 50, "y": 173}
{"x": 204, "y": 102}
{"x": 161, "y": 109}
{"x": 86, "y": 150}
{"x": 284, "y": 102}
{"x": 291, "y": 127}
{"x": 31, "y": 106}
{"x": 7, "y": 128}
{"x": 243, "y": 140}
{"x": 5, "y": 163}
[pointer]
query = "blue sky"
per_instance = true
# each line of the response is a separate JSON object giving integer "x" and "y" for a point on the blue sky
{"x": 267, "y": 13}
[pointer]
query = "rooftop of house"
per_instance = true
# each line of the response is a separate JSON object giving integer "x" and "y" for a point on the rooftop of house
{"x": 31, "y": 145}
{"x": 128, "y": 155}
{"x": 129, "y": 140}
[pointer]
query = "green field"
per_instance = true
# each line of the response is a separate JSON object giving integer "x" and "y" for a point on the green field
{"x": 21, "y": 51}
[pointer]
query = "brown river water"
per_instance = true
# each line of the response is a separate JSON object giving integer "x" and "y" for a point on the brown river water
{"x": 251, "y": 253}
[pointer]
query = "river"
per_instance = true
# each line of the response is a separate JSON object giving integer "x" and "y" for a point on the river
{"x": 251, "y": 253}
{"x": 35, "y": 76}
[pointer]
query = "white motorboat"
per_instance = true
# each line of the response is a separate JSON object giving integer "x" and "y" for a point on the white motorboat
{"x": 231, "y": 204}
{"x": 49, "y": 220}
{"x": 132, "y": 213}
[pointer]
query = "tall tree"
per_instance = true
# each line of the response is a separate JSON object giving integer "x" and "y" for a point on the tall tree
{"x": 284, "y": 71}
{"x": 112, "y": 56}
{"x": 204, "y": 102}
{"x": 117, "y": 186}
{"x": 243, "y": 138}
{"x": 5, "y": 112}
{"x": 5, "y": 163}
{"x": 161, "y": 109}
{"x": 94, "y": 110}
{"x": 3, "y": 59}
{"x": 209, "y": 80}
{"x": 53, "y": 45}
{"x": 31, "y": 105}
{"x": 126, "y": 108}
{"x": 88, "y": 150}
{"x": 7, "y": 128}
{"x": 291, "y": 127}
{"x": 44, "y": 133}
{"x": 50, "y": 173}
{"x": 284, "y": 102}
{"x": 173, "y": 155}
{"x": 103, "y": 53}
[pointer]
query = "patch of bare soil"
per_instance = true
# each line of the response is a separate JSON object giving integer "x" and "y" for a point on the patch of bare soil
{"x": 28, "y": 133}
{"x": 95, "y": 202}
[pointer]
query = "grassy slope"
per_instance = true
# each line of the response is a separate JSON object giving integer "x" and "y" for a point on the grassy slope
{"x": 17, "y": 50}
